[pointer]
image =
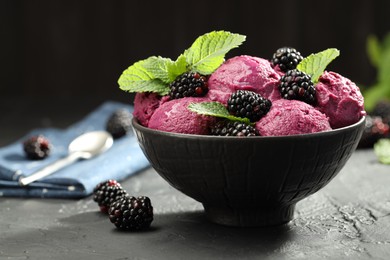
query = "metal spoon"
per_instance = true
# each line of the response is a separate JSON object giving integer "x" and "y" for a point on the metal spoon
{"x": 85, "y": 146}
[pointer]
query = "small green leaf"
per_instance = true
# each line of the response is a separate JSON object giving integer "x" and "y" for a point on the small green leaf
{"x": 373, "y": 94}
{"x": 315, "y": 64}
{"x": 215, "y": 109}
{"x": 144, "y": 76}
{"x": 382, "y": 150}
{"x": 154, "y": 85}
{"x": 177, "y": 68}
{"x": 381, "y": 90}
{"x": 386, "y": 42}
{"x": 208, "y": 51}
{"x": 158, "y": 67}
{"x": 384, "y": 68}
{"x": 373, "y": 50}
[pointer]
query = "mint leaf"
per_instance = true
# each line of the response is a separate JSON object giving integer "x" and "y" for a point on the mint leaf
{"x": 373, "y": 50}
{"x": 215, "y": 109}
{"x": 145, "y": 76}
{"x": 155, "y": 73}
{"x": 384, "y": 68}
{"x": 386, "y": 42}
{"x": 382, "y": 150}
{"x": 315, "y": 64}
{"x": 381, "y": 89}
{"x": 373, "y": 94}
{"x": 208, "y": 51}
{"x": 176, "y": 68}
{"x": 379, "y": 54}
{"x": 158, "y": 67}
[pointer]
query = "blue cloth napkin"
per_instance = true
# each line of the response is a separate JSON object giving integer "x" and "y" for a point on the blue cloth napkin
{"x": 122, "y": 160}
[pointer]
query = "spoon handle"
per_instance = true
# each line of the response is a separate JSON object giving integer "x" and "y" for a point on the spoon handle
{"x": 49, "y": 169}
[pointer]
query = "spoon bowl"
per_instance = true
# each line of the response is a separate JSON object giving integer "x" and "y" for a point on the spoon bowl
{"x": 91, "y": 144}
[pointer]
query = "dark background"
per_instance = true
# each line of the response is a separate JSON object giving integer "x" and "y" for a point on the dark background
{"x": 78, "y": 49}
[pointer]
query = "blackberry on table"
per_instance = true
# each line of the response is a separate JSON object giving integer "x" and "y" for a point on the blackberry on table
{"x": 106, "y": 184}
{"x": 374, "y": 130}
{"x": 244, "y": 103}
{"x": 189, "y": 84}
{"x": 106, "y": 193}
{"x": 382, "y": 109}
{"x": 287, "y": 58}
{"x": 37, "y": 147}
{"x": 297, "y": 85}
{"x": 233, "y": 128}
{"x": 131, "y": 213}
{"x": 119, "y": 123}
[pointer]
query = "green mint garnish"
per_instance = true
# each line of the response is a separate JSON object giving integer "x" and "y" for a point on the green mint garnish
{"x": 374, "y": 50}
{"x": 177, "y": 68}
{"x": 141, "y": 77}
{"x": 152, "y": 75}
{"x": 316, "y": 63}
{"x": 208, "y": 51}
{"x": 379, "y": 55}
{"x": 382, "y": 150}
{"x": 155, "y": 73}
{"x": 215, "y": 109}
{"x": 158, "y": 67}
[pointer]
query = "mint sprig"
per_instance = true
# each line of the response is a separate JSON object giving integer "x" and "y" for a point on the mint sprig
{"x": 176, "y": 68}
{"x": 382, "y": 150}
{"x": 215, "y": 109}
{"x": 205, "y": 55}
{"x": 315, "y": 64}
{"x": 140, "y": 77}
{"x": 208, "y": 51}
{"x": 379, "y": 55}
{"x": 159, "y": 67}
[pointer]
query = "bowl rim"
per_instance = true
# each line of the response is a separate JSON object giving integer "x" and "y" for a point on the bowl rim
{"x": 142, "y": 128}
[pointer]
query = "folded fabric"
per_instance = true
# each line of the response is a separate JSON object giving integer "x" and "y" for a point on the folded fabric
{"x": 122, "y": 160}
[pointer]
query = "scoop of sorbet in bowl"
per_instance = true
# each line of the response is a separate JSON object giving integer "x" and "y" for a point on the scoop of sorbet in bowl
{"x": 292, "y": 117}
{"x": 145, "y": 104}
{"x": 243, "y": 73}
{"x": 340, "y": 99}
{"x": 174, "y": 116}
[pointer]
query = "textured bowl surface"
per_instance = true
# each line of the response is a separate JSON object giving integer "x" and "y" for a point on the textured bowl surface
{"x": 252, "y": 181}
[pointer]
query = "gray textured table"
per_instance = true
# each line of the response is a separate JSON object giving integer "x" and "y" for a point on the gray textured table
{"x": 349, "y": 218}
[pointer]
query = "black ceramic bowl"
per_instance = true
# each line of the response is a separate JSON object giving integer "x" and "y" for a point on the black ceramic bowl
{"x": 252, "y": 181}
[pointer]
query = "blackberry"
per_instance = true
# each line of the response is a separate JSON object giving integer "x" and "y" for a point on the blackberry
{"x": 106, "y": 193}
{"x": 131, "y": 213}
{"x": 296, "y": 84}
{"x": 189, "y": 84}
{"x": 374, "y": 130}
{"x": 382, "y": 109}
{"x": 106, "y": 183}
{"x": 37, "y": 147}
{"x": 233, "y": 128}
{"x": 287, "y": 58}
{"x": 244, "y": 103}
{"x": 119, "y": 123}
